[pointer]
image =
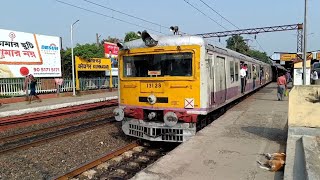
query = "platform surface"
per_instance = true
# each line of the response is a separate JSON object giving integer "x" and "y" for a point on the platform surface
{"x": 230, "y": 146}
{"x": 54, "y": 103}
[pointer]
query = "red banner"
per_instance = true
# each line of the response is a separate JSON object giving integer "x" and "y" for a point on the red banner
{"x": 110, "y": 49}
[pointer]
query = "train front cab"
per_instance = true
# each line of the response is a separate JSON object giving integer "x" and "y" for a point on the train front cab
{"x": 157, "y": 88}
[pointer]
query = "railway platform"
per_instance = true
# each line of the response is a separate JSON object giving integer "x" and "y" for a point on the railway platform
{"x": 20, "y": 108}
{"x": 230, "y": 147}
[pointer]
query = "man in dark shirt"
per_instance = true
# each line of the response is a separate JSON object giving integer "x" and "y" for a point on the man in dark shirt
{"x": 33, "y": 83}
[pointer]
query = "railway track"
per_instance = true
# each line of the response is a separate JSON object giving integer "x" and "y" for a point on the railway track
{"x": 122, "y": 163}
{"x": 40, "y": 116}
{"x": 27, "y": 139}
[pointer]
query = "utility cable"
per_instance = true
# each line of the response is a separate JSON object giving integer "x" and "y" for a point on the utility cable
{"x": 88, "y": 10}
{"x": 219, "y": 14}
{"x": 125, "y": 13}
{"x": 228, "y": 21}
{"x": 205, "y": 14}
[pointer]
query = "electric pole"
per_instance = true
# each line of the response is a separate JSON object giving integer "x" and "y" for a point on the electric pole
{"x": 97, "y": 38}
{"x": 305, "y": 45}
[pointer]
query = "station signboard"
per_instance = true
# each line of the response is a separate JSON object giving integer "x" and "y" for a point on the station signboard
{"x": 24, "y": 53}
{"x": 287, "y": 57}
{"x": 293, "y": 56}
{"x": 93, "y": 64}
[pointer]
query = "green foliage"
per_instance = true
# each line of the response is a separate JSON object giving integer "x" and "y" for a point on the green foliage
{"x": 237, "y": 43}
{"x": 110, "y": 39}
{"x": 262, "y": 56}
{"x": 85, "y": 51}
{"x": 131, "y": 36}
{"x": 66, "y": 62}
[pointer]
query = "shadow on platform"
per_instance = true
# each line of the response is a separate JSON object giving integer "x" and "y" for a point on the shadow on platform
{"x": 273, "y": 134}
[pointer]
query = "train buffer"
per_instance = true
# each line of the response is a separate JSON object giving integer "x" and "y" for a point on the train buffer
{"x": 230, "y": 146}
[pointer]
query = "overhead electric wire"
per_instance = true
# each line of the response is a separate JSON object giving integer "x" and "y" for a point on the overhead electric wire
{"x": 125, "y": 14}
{"x": 260, "y": 45}
{"x": 229, "y": 21}
{"x": 205, "y": 14}
{"x": 219, "y": 14}
{"x": 88, "y": 10}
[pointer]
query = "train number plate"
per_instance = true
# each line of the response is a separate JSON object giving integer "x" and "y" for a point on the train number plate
{"x": 152, "y": 87}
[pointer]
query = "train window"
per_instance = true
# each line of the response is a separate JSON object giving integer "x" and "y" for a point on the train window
{"x": 236, "y": 71}
{"x": 231, "y": 71}
{"x": 148, "y": 65}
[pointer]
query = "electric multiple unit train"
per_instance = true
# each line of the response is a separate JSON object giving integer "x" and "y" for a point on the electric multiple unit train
{"x": 169, "y": 86}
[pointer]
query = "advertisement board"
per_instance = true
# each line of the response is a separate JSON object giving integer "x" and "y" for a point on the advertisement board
{"x": 110, "y": 50}
{"x": 25, "y": 53}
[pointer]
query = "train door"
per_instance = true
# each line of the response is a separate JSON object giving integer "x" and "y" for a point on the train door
{"x": 221, "y": 79}
{"x": 210, "y": 80}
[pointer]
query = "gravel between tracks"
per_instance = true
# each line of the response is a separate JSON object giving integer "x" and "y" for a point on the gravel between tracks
{"x": 59, "y": 156}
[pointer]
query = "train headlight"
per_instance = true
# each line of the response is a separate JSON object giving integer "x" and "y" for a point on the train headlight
{"x": 118, "y": 114}
{"x": 170, "y": 119}
{"x": 152, "y": 99}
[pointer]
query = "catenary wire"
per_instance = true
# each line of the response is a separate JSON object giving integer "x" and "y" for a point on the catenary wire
{"x": 219, "y": 14}
{"x": 132, "y": 16}
{"x": 121, "y": 20}
{"x": 205, "y": 14}
{"x": 229, "y": 21}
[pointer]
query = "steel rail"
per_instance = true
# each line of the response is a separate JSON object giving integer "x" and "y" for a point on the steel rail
{"x": 49, "y": 129}
{"x": 53, "y": 113}
{"x": 53, "y": 135}
{"x": 82, "y": 168}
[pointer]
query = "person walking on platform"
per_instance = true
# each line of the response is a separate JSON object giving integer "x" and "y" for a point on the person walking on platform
{"x": 243, "y": 79}
{"x": 33, "y": 83}
{"x": 288, "y": 77}
{"x": 261, "y": 75}
{"x": 26, "y": 86}
{"x": 282, "y": 86}
{"x": 314, "y": 76}
{"x": 254, "y": 77}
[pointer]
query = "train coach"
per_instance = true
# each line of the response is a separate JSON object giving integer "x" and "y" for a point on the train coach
{"x": 170, "y": 86}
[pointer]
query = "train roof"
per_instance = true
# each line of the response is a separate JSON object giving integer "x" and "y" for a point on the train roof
{"x": 179, "y": 40}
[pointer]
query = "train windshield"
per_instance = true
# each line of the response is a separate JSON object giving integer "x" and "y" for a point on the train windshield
{"x": 158, "y": 65}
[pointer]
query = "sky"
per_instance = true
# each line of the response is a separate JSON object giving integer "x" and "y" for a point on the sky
{"x": 49, "y": 17}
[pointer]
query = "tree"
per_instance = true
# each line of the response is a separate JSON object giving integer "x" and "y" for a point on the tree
{"x": 237, "y": 43}
{"x": 85, "y": 51}
{"x": 262, "y": 56}
{"x": 111, "y": 39}
{"x": 131, "y": 36}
